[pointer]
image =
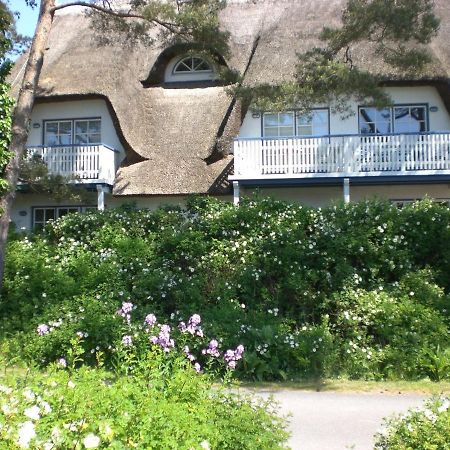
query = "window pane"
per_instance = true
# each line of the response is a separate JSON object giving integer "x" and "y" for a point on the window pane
{"x": 383, "y": 115}
{"x": 39, "y": 215}
{"x": 87, "y": 131}
{"x": 313, "y": 124}
{"x": 271, "y": 131}
{"x": 65, "y": 127}
{"x": 373, "y": 121}
{"x": 287, "y": 131}
{"x": 51, "y": 127}
{"x": 51, "y": 139}
{"x": 304, "y": 119}
{"x": 81, "y": 126}
{"x": 278, "y": 124}
{"x": 305, "y": 130}
{"x": 81, "y": 139}
{"x": 58, "y": 133}
{"x": 196, "y": 62}
{"x": 62, "y": 212}
{"x": 49, "y": 214}
{"x": 65, "y": 139}
{"x": 203, "y": 66}
{"x": 286, "y": 119}
{"x": 95, "y": 126}
{"x": 94, "y": 139}
{"x": 410, "y": 119}
{"x": 270, "y": 120}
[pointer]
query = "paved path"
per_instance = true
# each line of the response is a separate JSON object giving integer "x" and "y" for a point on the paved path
{"x": 337, "y": 420}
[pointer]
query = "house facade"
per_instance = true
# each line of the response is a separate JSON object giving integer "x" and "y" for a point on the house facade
{"x": 155, "y": 125}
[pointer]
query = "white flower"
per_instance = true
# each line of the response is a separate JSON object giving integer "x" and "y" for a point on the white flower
{"x": 56, "y": 434}
{"x": 28, "y": 394}
{"x": 7, "y": 390}
{"x": 33, "y": 412}
{"x": 6, "y": 409}
{"x": 205, "y": 445}
{"x": 445, "y": 405}
{"x": 26, "y": 433}
{"x": 46, "y": 406}
{"x": 91, "y": 441}
{"x": 71, "y": 384}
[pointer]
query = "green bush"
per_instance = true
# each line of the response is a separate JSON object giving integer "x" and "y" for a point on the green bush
{"x": 273, "y": 276}
{"x": 150, "y": 408}
{"x": 420, "y": 429}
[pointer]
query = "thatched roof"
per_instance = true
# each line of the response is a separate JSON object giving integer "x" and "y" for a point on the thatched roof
{"x": 170, "y": 135}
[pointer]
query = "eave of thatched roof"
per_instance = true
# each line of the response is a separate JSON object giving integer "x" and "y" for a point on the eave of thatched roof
{"x": 175, "y": 138}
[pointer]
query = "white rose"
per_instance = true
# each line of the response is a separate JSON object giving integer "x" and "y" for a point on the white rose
{"x": 91, "y": 441}
{"x": 33, "y": 412}
{"x": 26, "y": 433}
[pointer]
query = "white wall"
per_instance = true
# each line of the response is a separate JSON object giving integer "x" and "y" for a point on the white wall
{"x": 439, "y": 121}
{"x": 324, "y": 195}
{"x": 76, "y": 109}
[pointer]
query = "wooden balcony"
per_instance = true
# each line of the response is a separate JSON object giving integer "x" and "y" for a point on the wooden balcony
{"x": 94, "y": 163}
{"x": 342, "y": 156}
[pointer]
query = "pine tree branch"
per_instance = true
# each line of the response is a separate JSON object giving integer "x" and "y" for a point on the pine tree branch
{"x": 123, "y": 15}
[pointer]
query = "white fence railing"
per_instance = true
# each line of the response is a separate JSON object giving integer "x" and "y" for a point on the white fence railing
{"x": 87, "y": 163}
{"x": 350, "y": 155}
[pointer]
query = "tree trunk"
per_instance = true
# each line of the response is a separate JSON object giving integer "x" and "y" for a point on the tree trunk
{"x": 21, "y": 119}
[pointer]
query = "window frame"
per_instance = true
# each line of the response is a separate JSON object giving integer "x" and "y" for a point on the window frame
{"x": 296, "y": 113}
{"x": 57, "y": 121}
{"x": 73, "y": 120}
{"x": 392, "y": 108}
{"x": 193, "y": 71}
{"x": 56, "y": 208}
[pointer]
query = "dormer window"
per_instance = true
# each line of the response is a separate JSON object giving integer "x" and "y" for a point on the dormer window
{"x": 192, "y": 64}
{"x": 187, "y": 69}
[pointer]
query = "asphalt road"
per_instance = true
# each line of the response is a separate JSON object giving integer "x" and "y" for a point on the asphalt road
{"x": 337, "y": 420}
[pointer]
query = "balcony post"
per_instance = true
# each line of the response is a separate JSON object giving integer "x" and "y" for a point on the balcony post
{"x": 236, "y": 192}
{"x": 346, "y": 190}
{"x": 101, "y": 197}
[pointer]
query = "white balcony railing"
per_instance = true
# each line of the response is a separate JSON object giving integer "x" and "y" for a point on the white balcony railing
{"x": 86, "y": 163}
{"x": 346, "y": 155}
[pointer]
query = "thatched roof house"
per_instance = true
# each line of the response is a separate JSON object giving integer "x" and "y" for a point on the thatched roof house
{"x": 177, "y": 138}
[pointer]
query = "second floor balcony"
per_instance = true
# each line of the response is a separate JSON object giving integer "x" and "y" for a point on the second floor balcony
{"x": 94, "y": 163}
{"x": 342, "y": 156}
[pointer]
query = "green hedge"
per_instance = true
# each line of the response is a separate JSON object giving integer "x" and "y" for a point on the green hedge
{"x": 358, "y": 290}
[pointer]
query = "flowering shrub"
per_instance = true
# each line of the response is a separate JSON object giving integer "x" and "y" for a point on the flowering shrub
{"x": 360, "y": 290}
{"x": 419, "y": 429}
{"x": 149, "y": 408}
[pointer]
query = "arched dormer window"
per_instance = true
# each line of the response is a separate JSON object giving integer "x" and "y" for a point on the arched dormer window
{"x": 189, "y": 68}
{"x": 192, "y": 64}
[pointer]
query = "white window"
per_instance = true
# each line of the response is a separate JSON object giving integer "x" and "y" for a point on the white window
{"x": 189, "y": 69}
{"x": 290, "y": 123}
{"x": 279, "y": 124}
{"x": 76, "y": 131}
{"x": 316, "y": 123}
{"x": 410, "y": 119}
{"x": 87, "y": 131}
{"x": 192, "y": 64}
{"x": 58, "y": 132}
{"x": 42, "y": 215}
{"x": 398, "y": 119}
